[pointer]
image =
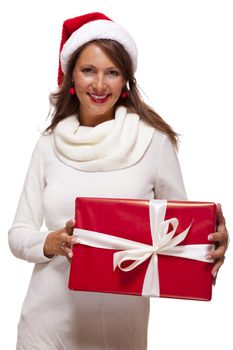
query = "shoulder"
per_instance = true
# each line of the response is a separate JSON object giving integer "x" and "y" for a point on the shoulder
{"x": 161, "y": 147}
{"x": 43, "y": 140}
{"x": 161, "y": 140}
{"x": 43, "y": 145}
{"x": 159, "y": 136}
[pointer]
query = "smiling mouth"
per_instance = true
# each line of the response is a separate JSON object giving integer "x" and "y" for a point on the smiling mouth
{"x": 99, "y": 98}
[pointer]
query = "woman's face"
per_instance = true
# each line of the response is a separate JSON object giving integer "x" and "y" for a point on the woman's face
{"x": 98, "y": 84}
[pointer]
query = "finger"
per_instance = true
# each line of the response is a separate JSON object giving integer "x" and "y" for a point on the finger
{"x": 67, "y": 239}
{"x": 215, "y": 278}
{"x": 74, "y": 239}
{"x": 68, "y": 252}
{"x": 65, "y": 244}
{"x": 65, "y": 250}
{"x": 219, "y": 215}
{"x": 216, "y": 267}
{"x": 62, "y": 246}
{"x": 70, "y": 226}
{"x": 64, "y": 237}
{"x": 217, "y": 253}
{"x": 69, "y": 259}
{"x": 220, "y": 236}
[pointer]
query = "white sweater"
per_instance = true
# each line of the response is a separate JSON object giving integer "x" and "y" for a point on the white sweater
{"x": 53, "y": 317}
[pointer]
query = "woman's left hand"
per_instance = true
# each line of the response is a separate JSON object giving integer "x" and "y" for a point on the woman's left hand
{"x": 221, "y": 239}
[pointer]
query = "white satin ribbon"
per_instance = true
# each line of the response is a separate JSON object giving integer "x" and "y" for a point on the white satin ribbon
{"x": 162, "y": 243}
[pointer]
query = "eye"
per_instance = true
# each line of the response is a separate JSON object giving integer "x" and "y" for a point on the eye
{"x": 87, "y": 70}
{"x": 113, "y": 73}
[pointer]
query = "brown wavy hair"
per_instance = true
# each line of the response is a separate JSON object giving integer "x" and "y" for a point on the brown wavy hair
{"x": 65, "y": 104}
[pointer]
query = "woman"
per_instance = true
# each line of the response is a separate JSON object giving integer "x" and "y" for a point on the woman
{"x": 103, "y": 141}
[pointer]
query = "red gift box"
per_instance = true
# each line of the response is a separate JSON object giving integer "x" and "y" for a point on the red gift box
{"x": 141, "y": 247}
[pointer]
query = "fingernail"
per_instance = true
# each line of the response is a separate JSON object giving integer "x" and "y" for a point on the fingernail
{"x": 74, "y": 240}
{"x": 208, "y": 256}
{"x": 210, "y": 237}
{"x": 70, "y": 254}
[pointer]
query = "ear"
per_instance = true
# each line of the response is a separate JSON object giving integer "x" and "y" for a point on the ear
{"x": 123, "y": 83}
{"x": 72, "y": 78}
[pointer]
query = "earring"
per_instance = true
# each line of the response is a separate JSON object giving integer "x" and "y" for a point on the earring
{"x": 72, "y": 89}
{"x": 124, "y": 94}
{"x": 125, "y": 91}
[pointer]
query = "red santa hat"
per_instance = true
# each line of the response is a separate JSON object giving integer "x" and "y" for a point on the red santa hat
{"x": 82, "y": 29}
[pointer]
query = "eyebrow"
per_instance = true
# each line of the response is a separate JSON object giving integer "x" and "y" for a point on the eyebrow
{"x": 87, "y": 65}
{"x": 91, "y": 66}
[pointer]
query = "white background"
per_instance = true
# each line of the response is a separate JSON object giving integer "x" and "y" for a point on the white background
{"x": 185, "y": 68}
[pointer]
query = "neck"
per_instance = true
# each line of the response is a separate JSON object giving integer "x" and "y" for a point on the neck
{"x": 86, "y": 118}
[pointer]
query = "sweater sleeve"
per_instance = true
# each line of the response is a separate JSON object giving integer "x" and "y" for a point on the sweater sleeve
{"x": 169, "y": 181}
{"x": 26, "y": 241}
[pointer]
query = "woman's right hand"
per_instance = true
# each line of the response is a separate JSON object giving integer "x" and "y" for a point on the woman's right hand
{"x": 60, "y": 242}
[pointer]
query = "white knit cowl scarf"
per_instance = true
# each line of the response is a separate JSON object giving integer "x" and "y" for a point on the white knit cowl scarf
{"x": 112, "y": 145}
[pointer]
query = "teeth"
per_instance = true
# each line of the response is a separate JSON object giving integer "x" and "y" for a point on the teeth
{"x": 98, "y": 97}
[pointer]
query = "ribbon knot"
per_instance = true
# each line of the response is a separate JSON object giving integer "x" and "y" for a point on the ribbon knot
{"x": 162, "y": 241}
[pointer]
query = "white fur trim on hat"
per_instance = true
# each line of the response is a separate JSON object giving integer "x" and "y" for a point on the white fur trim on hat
{"x": 98, "y": 29}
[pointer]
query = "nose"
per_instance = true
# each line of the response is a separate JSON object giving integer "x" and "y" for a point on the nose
{"x": 99, "y": 84}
